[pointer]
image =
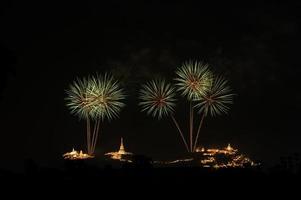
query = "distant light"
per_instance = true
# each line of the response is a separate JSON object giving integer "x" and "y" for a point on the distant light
{"x": 75, "y": 155}
{"x": 233, "y": 158}
{"x": 118, "y": 155}
{"x": 229, "y": 148}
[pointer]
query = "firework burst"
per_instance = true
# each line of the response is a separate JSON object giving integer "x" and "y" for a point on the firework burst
{"x": 79, "y": 100}
{"x": 157, "y": 98}
{"x": 95, "y": 97}
{"x": 193, "y": 79}
{"x": 216, "y": 100}
{"x": 107, "y": 97}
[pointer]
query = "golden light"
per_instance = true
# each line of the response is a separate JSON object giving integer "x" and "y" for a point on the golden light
{"x": 231, "y": 155}
{"x": 120, "y": 154}
{"x": 75, "y": 155}
{"x": 229, "y": 148}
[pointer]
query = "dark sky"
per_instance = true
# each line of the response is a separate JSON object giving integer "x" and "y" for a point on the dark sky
{"x": 45, "y": 46}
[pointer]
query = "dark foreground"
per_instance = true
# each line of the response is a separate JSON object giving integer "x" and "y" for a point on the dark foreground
{"x": 145, "y": 173}
{"x": 80, "y": 178}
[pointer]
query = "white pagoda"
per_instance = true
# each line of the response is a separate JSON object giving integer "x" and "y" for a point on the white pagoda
{"x": 119, "y": 155}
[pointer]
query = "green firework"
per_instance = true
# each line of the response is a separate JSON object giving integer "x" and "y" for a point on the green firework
{"x": 216, "y": 100}
{"x": 79, "y": 100}
{"x": 108, "y": 97}
{"x": 193, "y": 79}
{"x": 97, "y": 97}
{"x": 157, "y": 98}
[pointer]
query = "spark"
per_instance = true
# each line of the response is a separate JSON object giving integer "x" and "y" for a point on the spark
{"x": 216, "y": 100}
{"x": 157, "y": 98}
{"x": 193, "y": 79}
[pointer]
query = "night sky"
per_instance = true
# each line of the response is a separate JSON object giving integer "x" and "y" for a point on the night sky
{"x": 45, "y": 46}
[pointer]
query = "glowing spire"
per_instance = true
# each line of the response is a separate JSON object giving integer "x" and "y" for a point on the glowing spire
{"x": 121, "y": 148}
{"x": 229, "y": 148}
{"x": 119, "y": 154}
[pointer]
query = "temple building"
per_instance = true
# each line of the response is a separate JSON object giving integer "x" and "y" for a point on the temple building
{"x": 121, "y": 154}
{"x": 227, "y": 157}
{"x": 223, "y": 158}
{"x": 75, "y": 155}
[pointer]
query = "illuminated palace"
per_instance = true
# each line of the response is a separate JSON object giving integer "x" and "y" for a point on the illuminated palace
{"x": 75, "y": 155}
{"x": 121, "y": 155}
{"x": 227, "y": 157}
{"x": 223, "y": 158}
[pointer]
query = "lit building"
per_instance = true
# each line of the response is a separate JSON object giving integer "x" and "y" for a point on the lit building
{"x": 227, "y": 150}
{"x": 227, "y": 157}
{"x": 121, "y": 154}
{"x": 75, "y": 155}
